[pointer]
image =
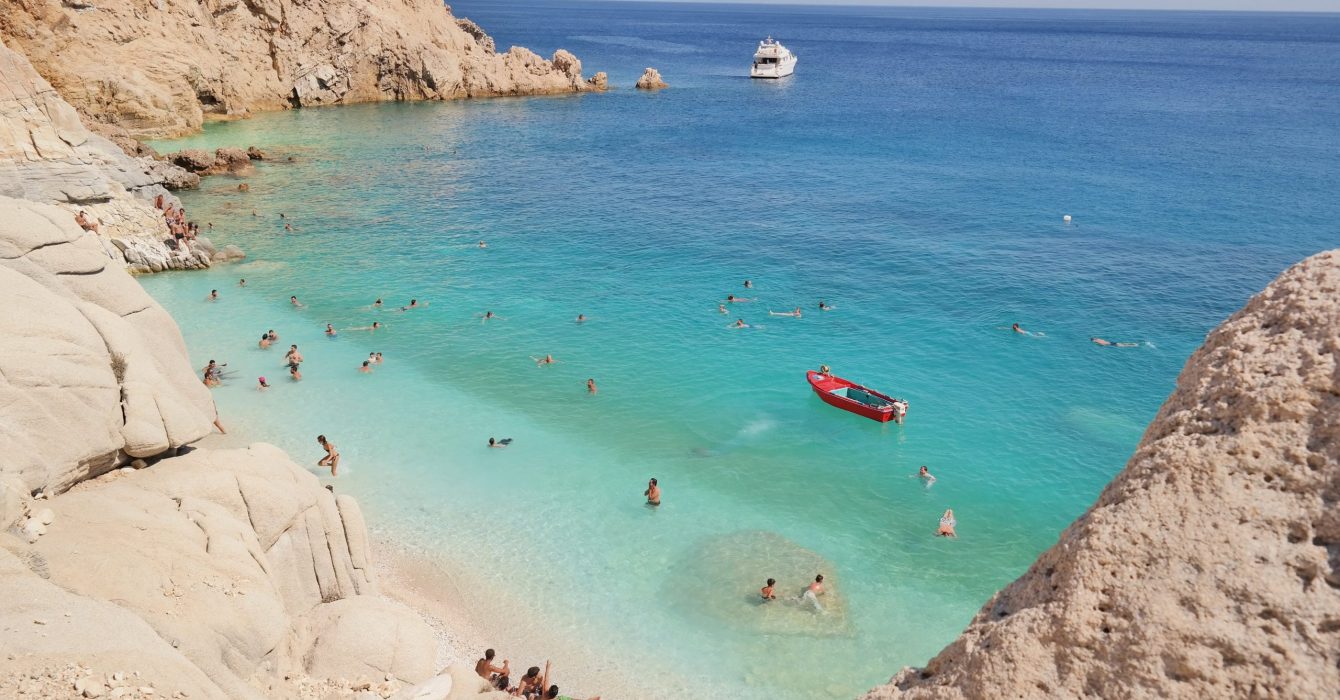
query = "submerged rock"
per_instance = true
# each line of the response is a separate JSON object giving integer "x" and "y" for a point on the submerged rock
{"x": 651, "y": 80}
{"x": 1210, "y": 566}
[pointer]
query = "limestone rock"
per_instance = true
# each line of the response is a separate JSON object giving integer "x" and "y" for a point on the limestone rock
{"x": 241, "y": 560}
{"x": 255, "y": 153}
{"x": 1210, "y": 567}
{"x": 599, "y": 82}
{"x": 159, "y": 69}
{"x": 651, "y": 80}
{"x": 364, "y": 635}
{"x": 192, "y": 159}
{"x": 101, "y": 635}
{"x": 82, "y": 345}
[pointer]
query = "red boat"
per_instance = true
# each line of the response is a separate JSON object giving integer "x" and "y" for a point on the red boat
{"x": 850, "y": 396}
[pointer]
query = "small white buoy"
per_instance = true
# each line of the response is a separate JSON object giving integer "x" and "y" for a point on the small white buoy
{"x": 1066, "y": 218}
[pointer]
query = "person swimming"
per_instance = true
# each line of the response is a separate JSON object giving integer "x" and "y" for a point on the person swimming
{"x": 330, "y": 330}
{"x": 653, "y": 493}
{"x": 1015, "y": 327}
{"x": 293, "y": 372}
{"x": 294, "y": 301}
{"x": 500, "y": 443}
{"x": 213, "y": 373}
{"x": 768, "y": 591}
{"x": 721, "y": 308}
{"x": 265, "y": 341}
{"x": 590, "y": 386}
{"x": 379, "y": 358}
{"x": 947, "y": 524}
{"x": 739, "y": 323}
{"x": 242, "y": 283}
{"x": 925, "y": 475}
{"x": 542, "y": 361}
{"x": 1109, "y": 344}
{"x": 732, "y": 299}
{"x": 581, "y": 318}
{"x": 377, "y": 304}
{"x": 367, "y": 367}
{"x": 261, "y": 384}
{"x": 376, "y": 326}
{"x": 482, "y": 244}
{"x": 413, "y": 304}
{"x": 214, "y": 295}
{"x": 273, "y": 335}
{"x": 823, "y": 306}
{"x": 795, "y": 313}
{"x": 813, "y": 591}
{"x": 748, "y": 284}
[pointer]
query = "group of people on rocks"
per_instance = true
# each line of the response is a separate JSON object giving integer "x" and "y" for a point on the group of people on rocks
{"x": 533, "y": 685}
{"x": 177, "y": 223}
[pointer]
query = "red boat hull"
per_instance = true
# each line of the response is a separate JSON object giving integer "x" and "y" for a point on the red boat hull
{"x": 876, "y": 406}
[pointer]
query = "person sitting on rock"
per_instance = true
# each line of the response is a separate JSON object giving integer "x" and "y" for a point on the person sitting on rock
{"x": 86, "y": 223}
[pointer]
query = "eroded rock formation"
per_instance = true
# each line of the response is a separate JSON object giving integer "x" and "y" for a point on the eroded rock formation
{"x": 1210, "y": 567}
{"x": 651, "y": 80}
{"x": 157, "y": 68}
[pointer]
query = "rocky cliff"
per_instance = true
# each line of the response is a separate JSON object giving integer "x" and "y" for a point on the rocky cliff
{"x": 48, "y": 156}
{"x": 159, "y": 67}
{"x": 1210, "y": 567}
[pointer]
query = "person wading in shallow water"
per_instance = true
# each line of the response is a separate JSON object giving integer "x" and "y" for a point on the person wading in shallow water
{"x": 653, "y": 493}
{"x": 332, "y": 458}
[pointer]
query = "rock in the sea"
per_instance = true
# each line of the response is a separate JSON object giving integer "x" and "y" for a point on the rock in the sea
{"x": 228, "y": 253}
{"x": 159, "y": 71}
{"x": 600, "y": 82}
{"x": 651, "y": 80}
{"x": 232, "y": 160}
{"x": 193, "y": 160}
{"x": 256, "y": 153}
{"x": 1210, "y": 567}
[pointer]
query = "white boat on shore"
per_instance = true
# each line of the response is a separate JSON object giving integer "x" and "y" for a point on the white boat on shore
{"x": 772, "y": 60}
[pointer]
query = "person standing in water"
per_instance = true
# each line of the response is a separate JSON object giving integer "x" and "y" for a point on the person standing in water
{"x": 367, "y": 367}
{"x": 591, "y": 386}
{"x": 330, "y": 330}
{"x": 213, "y": 295}
{"x": 265, "y": 341}
{"x": 925, "y": 475}
{"x": 748, "y": 284}
{"x": 653, "y": 493}
{"x": 242, "y": 282}
{"x": 294, "y": 301}
{"x": 768, "y": 591}
{"x": 332, "y": 458}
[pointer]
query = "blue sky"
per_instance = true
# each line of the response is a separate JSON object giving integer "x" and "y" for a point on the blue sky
{"x": 1258, "y": 5}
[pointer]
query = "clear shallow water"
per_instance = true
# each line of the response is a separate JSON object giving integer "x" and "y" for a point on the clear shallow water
{"x": 913, "y": 174}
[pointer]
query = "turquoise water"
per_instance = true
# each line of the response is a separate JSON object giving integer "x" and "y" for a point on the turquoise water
{"x": 913, "y": 174}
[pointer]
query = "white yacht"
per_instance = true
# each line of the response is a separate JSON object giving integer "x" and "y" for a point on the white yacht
{"x": 772, "y": 60}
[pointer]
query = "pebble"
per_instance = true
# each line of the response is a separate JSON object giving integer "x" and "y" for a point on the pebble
{"x": 93, "y": 691}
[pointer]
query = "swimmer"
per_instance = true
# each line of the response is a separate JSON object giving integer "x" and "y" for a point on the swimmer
{"x": 482, "y": 244}
{"x": 1109, "y": 344}
{"x": 947, "y": 523}
{"x": 823, "y": 306}
{"x": 591, "y": 386}
{"x": 293, "y": 372}
{"x": 1017, "y": 329}
{"x": 288, "y": 226}
{"x": 795, "y": 313}
{"x": 265, "y": 341}
{"x": 500, "y": 443}
{"x": 242, "y": 283}
{"x": 377, "y": 304}
{"x": 332, "y": 458}
{"x": 748, "y": 284}
{"x": 542, "y": 361}
{"x": 379, "y": 358}
{"x": 367, "y": 367}
{"x": 293, "y": 357}
{"x": 925, "y": 475}
{"x": 273, "y": 336}
{"x": 413, "y": 304}
{"x": 653, "y": 493}
{"x": 739, "y": 323}
{"x": 376, "y": 326}
{"x": 213, "y": 295}
{"x": 731, "y": 298}
{"x": 817, "y": 588}
{"x": 294, "y": 301}
{"x": 721, "y": 308}
{"x": 330, "y": 330}
{"x": 767, "y": 591}
{"x": 213, "y": 373}
{"x": 261, "y": 384}
{"x": 488, "y": 316}
{"x": 581, "y": 318}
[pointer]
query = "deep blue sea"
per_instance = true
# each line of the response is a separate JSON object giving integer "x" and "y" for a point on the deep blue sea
{"x": 913, "y": 174}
